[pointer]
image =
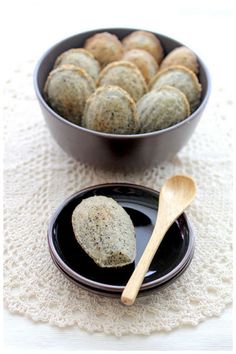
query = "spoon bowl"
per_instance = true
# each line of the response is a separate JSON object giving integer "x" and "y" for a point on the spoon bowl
{"x": 176, "y": 194}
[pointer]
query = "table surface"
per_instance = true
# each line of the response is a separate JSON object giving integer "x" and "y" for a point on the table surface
{"x": 205, "y": 26}
{"x": 21, "y": 333}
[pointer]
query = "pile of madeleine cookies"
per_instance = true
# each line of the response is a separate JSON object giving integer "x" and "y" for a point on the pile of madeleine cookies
{"x": 124, "y": 87}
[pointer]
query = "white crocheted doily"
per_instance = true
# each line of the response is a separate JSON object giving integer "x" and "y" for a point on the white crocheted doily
{"x": 39, "y": 176}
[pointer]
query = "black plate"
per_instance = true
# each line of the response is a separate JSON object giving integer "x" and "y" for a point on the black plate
{"x": 141, "y": 204}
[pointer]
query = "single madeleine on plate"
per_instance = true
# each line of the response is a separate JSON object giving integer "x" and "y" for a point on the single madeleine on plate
{"x": 105, "y": 231}
{"x": 159, "y": 109}
{"x": 82, "y": 58}
{"x": 183, "y": 79}
{"x": 125, "y": 75}
{"x": 111, "y": 110}
{"x": 105, "y": 47}
{"x": 67, "y": 89}
{"x": 144, "y": 40}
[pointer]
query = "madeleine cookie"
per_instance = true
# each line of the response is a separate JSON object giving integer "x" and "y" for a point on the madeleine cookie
{"x": 105, "y": 231}
{"x": 144, "y": 61}
{"x": 183, "y": 79}
{"x": 125, "y": 75}
{"x": 144, "y": 40}
{"x": 110, "y": 109}
{"x": 67, "y": 89}
{"x": 160, "y": 109}
{"x": 181, "y": 56}
{"x": 82, "y": 58}
{"x": 105, "y": 47}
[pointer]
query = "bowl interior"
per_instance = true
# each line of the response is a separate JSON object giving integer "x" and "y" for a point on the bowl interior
{"x": 141, "y": 204}
{"x": 46, "y": 63}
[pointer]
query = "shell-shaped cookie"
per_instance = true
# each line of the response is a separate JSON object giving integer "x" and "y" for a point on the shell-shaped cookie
{"x": 183, "y": 79}
{"x": 181, "y": 56}
{"x": 105, "y": 231}
{"x": 110, "y": 109}
{"x": 67, "y": 89}
{"x": 105, "y": 47}
{"x": 144, "y": 61}
{"x": 144, "y": 40}
{"x": 125, "y": 75}
{"x": 82, "y": 58}
{"x": 160, "y": 109}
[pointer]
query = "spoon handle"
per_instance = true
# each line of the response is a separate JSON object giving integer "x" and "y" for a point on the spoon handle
{"x": 132, "y": 287}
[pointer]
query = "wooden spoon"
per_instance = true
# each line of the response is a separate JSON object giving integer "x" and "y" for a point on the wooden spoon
{"x": 176, "y": 194}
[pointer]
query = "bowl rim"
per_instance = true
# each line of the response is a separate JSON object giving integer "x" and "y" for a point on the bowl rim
{"x": 109, "y": 135}
{"x": 104, "y": 286}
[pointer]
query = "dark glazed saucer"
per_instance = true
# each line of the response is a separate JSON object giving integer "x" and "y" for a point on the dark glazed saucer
{"x": 141, "y": 203}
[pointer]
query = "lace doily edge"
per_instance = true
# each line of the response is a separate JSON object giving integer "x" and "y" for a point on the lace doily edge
{"x": 103, "y": 329}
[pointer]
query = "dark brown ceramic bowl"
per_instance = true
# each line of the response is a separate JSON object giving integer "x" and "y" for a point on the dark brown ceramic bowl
{"x": 110, "y": 151}
{"x": 141, "y": 203}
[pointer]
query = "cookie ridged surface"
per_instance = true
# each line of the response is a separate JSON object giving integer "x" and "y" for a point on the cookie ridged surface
{"x": 144, "y": 40}
{"x": 110, "y": 109}
{"x": 67, "y": 89}
{"x": 82, "y": 58}
{"x": 105, "y": 47}
{"x": 143, "y": 60}
{"x": 105, "y": 231}
{"x": 181, "y": 56}
{"x": 162, "y": 108}
{"x": 125, "y": 75}
{"x": 183, "y": 79}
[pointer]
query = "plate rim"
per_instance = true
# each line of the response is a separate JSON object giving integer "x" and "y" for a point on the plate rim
{"x": 117, "y": 294}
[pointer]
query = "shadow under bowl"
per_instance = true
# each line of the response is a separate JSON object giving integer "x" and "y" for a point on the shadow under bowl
{"x": 111, "y": 151}
{"x": 141, "y": 203}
